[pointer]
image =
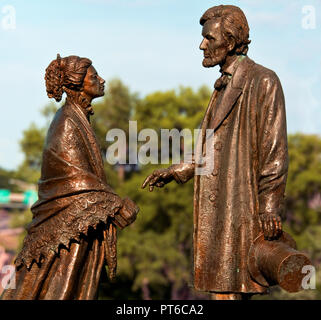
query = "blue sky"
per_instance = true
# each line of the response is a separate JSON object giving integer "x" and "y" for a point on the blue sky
{"x": 150, "y": 45}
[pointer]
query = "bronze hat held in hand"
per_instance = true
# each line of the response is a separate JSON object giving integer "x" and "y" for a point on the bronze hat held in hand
{"x": 243, "y": 197}
{"x": 72, "y": 235}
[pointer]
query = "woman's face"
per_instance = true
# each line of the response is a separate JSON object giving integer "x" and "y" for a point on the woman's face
{"x": 93, "y": 84}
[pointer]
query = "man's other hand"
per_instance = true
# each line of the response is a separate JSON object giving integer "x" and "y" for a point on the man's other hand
{"x": 271, "y": 226}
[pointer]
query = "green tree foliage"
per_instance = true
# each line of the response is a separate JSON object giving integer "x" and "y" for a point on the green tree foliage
{"x": 114, "y": 111}
{"x": 20, "y": 220}
{"x": 31, "y": 145}
{"x": 155, "y": 253}
{"x": 49, "y": 111}
{"x": 5, "y": 177}
{"x": 304, "y": 182}
{"x": 303, "y": 194}
{"x": 182, "y": 108}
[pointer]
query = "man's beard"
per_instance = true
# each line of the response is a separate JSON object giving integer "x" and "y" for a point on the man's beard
{"x": 209, "y": 63}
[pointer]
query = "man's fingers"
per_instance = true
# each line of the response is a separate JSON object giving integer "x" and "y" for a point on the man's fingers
{"x": 279, "y": 223}
{"x": 279, "y": 227}
{"x": 147, "y": 181}
{"x": 157, "y": 178}
{"x": 260, "y": 223}
{"x": 271, "y": 227}
{"x": 274, "y": 227}
{"x": 151, "y": 179}
{"x": 154, "y": 180}
{"x": 266, "y": 229}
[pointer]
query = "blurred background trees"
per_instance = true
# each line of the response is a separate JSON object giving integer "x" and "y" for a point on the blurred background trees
{"x": 155, "y": 253}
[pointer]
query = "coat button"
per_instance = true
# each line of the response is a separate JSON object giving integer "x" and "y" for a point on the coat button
{"x": 215, "y": 172}
{"x": 218, "y": 145}
{"x": 212, "y": 197}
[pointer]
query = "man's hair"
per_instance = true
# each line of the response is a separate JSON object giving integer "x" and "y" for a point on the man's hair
{"x": 234, "y": 25}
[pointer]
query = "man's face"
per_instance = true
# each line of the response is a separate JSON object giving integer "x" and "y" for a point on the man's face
{"x": 93, "y": 84}
{"x": 214, "y": 45}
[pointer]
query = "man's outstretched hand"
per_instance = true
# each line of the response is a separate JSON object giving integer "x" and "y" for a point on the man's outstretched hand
{"x": 271, "y": 226}
{"x": 158, "y": 178}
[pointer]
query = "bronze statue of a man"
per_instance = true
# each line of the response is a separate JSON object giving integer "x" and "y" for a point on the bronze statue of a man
{"x": 72, "y": 235}
{"x": 243, "y": 195}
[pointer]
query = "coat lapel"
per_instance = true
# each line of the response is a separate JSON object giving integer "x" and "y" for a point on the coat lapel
{"x": 232, "y": 92}
{"x": 207, "y": 116}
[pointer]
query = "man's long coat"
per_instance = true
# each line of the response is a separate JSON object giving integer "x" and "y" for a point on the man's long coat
{"x": 248, "y": 179}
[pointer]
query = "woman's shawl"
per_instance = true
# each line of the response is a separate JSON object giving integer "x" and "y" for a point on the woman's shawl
{"x": 73, "y": 192}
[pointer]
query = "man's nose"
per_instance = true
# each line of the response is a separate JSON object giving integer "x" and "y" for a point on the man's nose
{"x": 203, "y": 45}
{"x": 101, "y": 80}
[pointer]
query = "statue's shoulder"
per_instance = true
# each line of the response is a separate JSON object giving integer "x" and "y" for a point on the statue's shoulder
{"x": 63, "y": 118}
{"x": 61, "y": 127}
{"x": 262, "y": 73}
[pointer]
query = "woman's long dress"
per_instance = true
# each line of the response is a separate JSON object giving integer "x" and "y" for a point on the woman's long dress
{"x": 71, "y": 237}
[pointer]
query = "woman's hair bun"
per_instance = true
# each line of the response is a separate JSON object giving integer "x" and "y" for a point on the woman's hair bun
{"x": 54, "y": 79}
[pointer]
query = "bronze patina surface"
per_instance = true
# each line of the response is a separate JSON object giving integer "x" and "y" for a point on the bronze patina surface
{"x": 243, "y": 197}
{"x": 72, "y": 235}
{"x": 277, "y": 262}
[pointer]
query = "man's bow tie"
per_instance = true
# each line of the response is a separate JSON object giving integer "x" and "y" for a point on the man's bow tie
{"x": 221, "y": 82}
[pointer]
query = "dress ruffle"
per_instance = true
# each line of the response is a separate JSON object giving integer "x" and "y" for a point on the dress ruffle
{"x": 82, "y": 212}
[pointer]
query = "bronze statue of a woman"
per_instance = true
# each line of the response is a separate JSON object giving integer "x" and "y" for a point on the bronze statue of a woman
{"x": 72, "y": 235}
